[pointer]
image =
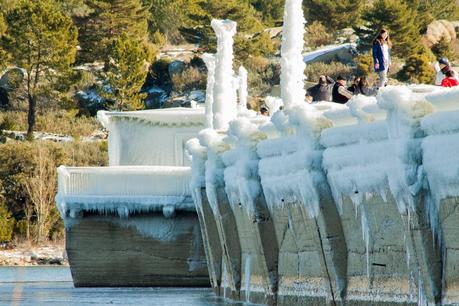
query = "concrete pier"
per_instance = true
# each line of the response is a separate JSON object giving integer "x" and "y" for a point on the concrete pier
{"x": 333, "y": 228}
{"x": 104, "y": 251}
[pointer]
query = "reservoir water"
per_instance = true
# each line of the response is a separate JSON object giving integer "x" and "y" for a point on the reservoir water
{"x": 53, "y": 286}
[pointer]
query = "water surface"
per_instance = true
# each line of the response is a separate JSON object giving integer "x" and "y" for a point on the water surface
{"x": 53, "y": 286}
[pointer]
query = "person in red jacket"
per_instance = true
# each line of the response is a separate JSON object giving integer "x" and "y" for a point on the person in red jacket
{"x": 449, "y": 80}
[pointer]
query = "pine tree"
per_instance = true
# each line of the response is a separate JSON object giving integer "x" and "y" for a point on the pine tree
{"x": 271, "y": 11}
{"x": 110, "y": 19}
{"x": 430, "y": 10}
{"x": 126, "y": 73}
{"x": 335, "y": 15}
{"x": 42, "y": 41}
{"x": 399, "y": 19}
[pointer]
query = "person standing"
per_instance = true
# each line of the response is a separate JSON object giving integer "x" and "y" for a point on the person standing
{"x": 380, "y": 64}
{"x": 339, "y": 93}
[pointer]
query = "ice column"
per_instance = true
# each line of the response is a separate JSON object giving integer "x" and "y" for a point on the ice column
{"x": 242, "y": 88}
{"x": 209, "y": 60}
{"x": 224, "y": 106}
{"x": 292, "y": 64}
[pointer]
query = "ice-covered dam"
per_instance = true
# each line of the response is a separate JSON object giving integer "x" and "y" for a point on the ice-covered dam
{"x": 321, "y": 204}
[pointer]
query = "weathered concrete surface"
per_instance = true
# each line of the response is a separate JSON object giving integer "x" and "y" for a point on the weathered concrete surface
{"x": 449, "y": 224}
{"x": 211, "y": 239}
{"x": 105, "y": 251}
{"x": 259, "y": 252}
{"x": 230, "y": 243}
{"x": 312, "y": 257}
{"x": 378, "y": 273}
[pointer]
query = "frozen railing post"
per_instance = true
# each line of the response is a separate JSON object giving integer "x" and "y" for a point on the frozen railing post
{"x": 243, "y": 93}
{"x": 292, "y": 64}
{"x": 224, "y": 106}
{"x": 209, "y": 60}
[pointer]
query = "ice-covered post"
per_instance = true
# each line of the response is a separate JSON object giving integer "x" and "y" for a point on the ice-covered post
{"x": 209, "y": 60}
{"x": 292, "y": 64}
{"x": 224, "y": 106}
{"x": 242, "y": 88}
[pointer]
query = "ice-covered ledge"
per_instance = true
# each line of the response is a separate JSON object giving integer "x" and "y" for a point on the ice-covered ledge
{"x": 151, "y": 137}
{"x": 123, "y": 190}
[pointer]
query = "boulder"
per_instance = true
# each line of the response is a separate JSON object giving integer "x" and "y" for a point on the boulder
{"x": 176, "y": 67}
{"x": 438, "y": 29}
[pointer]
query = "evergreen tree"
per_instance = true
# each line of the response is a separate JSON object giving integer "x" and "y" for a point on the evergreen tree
{"x": 107, "y": 21}
{"x": 271, "y": 11}
{"x": 430, "y": 10}
{"x": 417, "y": 70}
{"x": 399, "y": 19}
{"x": 169, "y": 17}
{"x": 335, "y": 15}
{"x": 42, "y": 41}
{"x": 126, "y": 73}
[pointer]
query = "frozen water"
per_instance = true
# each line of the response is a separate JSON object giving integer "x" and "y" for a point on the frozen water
{"x": 224, "y": 106}
{"x": 292, "y": 74}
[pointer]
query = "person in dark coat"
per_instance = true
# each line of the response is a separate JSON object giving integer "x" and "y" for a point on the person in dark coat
{"x": 322, "y": 90}
{"x": 363, "y": 88}
{"x": 354, "y": 85}
{"x": 339, "y": 93}
{"x": 378, "y": 59}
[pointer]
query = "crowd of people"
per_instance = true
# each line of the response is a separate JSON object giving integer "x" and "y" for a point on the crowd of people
{"x": 329, "y": 90}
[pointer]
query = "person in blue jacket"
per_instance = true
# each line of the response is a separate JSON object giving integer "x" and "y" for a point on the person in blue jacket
{"x": 378, "y": 59}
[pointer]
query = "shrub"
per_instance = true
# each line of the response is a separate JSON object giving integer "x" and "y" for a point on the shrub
{"x": 364, "y": 64}
{"x": 443, "y": 48}
{"x": 23, "y": 164}
{"x": 6, "y": 224}
{"x": 60, "y": 122}
{"x": 317, "y": 35}
{"x": 159, "y": 39}
{"x": 333, "y": 70}
{"x": 189, "y": 79}
{"x": 417, "y": 70}
{"x": 263, "y": 74}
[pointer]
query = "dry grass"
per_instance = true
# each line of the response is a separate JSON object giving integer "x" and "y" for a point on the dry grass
{"x": 61, "y": 122}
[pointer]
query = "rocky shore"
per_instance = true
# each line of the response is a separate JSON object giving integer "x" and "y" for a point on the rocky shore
{"x": 26, "y": 255}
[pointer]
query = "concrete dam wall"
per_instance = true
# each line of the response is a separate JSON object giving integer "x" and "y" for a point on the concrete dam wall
{"x": 335, "y": 204}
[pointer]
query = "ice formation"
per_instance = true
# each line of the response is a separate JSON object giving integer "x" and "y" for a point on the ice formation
{"x": 209, "y": 60}
{"x": 243, "y": 92}
{"x": 224, "y": 106}
{"x": 131, "y": 133}
{"x": 123, "y": 190}
{"x": 292, "y": 74}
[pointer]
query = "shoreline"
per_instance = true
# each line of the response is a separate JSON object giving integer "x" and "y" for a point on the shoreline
{"x": 50, "y": 254}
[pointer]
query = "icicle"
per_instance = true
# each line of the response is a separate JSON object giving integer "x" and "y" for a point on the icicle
{"x": 247, "y": 272}
{"x": 242, "y": 89}
{"x": 292, "y": 63}
{"x": 209, "y": 60}
{"x": 224, "y": 108}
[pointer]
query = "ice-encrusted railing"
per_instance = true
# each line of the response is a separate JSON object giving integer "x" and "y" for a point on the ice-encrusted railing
{"x": 123, "y": 190}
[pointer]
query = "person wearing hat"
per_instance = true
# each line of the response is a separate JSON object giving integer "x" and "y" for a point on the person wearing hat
{"x": 442, "y": 67}
{"x": 339, "y": 93}
{"x": 322, "y": 90}
{"x": 449, "y": 80}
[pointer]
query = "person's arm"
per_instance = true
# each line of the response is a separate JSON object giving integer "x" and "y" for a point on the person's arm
{"x": 330, "y": 80}
{"x": 375, "y": 56}
{"x": 343, "y": 91}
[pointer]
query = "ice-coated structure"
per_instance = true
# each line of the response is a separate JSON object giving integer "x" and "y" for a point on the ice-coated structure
{"x": 329, "y": 204}
{"x": 224, "y": 106}
{"x": 134, "y": 223}
{"x": 209, "y": 60}
{"x": 292, "y": 74}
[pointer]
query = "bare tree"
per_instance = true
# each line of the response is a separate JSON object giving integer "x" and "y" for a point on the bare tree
{"x": 41, "y": 188}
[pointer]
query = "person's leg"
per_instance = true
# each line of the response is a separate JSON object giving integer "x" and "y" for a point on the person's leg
{"x": 382, "y": 78}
